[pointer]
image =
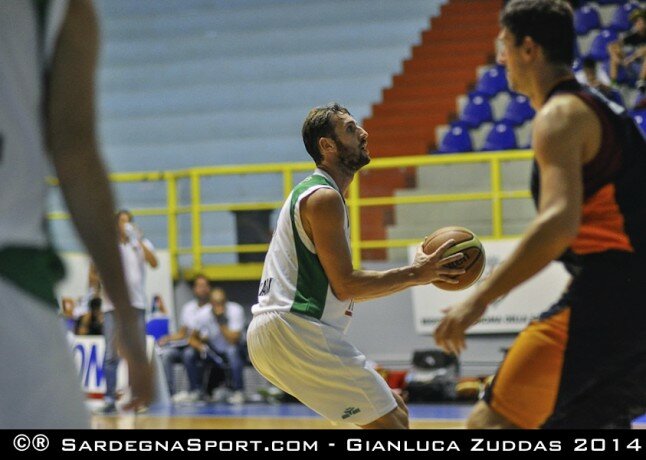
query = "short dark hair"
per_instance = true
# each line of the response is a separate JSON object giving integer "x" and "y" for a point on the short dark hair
{"x": 318, "y": 124}
{"x": 202, "y": 276}
{"x": 636, "y": 14}
{"x": 126, "y": 212}
{"x": 550, "y": 23}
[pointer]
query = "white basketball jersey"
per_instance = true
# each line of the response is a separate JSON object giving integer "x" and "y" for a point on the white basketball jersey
{"x": 28, "y": 33}
{"x": 293, "y": 279}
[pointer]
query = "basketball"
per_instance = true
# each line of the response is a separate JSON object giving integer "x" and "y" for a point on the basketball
{"x": 468, "y": 244}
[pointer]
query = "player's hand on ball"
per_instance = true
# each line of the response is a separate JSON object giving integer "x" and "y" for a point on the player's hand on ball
{"x": 432, "y": 267}
{"x": 449, "y": 334}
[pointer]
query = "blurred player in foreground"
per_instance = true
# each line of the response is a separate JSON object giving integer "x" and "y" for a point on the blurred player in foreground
{"x": 583, "y": 363}
{"x": 48, "y": 54}
{"x": 297, "y": 336}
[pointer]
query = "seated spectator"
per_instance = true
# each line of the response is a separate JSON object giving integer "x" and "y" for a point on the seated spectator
{"x": 158, "y": 306}
{"x": 592, "y": 75}
{"x": 91, "y": 323}
{"x": 67, "y": 308}
{"x": 595, "y": 77}
{"x": 219, "y": 336}
{"x": 175, "y": 348}
{"x": 634, "y": 63}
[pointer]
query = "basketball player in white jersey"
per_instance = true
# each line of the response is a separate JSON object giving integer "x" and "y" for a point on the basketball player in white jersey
{"x": 48, "y": 52}
{"x": 296, "y": 339}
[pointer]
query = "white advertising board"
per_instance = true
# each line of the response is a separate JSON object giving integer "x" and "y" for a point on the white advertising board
{"x": 508, "y": 314}
{"x": 88, "y": 352}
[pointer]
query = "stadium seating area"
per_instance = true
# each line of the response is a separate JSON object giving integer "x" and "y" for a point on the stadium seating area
{"x": 492, "y": 118}
{"x": 196, "y": 82}
{"x": 188, "y": 83}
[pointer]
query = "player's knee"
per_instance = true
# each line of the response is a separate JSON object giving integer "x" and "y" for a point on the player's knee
{"x": 401, "y": 415}
{"x": 400, "y": 403}
{"x": 476, "y": 422}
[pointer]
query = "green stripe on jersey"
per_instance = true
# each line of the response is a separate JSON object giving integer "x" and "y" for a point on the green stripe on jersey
{"x": 312, "y": 282}
{"x": 34, "y": 270}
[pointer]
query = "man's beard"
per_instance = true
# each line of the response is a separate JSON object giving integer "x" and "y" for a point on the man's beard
{"x": 352, "y": 159}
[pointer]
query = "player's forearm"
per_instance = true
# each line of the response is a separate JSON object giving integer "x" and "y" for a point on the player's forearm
{"x": 71, "y": 141}
{"x": 368, "y": 284}
{"x": 85, "y": 186}
{"x": 546, "y": 239}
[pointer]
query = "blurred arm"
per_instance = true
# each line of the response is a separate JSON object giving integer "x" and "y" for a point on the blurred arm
{"x": 71, "y": 140}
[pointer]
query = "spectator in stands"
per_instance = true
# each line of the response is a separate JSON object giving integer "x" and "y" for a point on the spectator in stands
{"x": 136, "y": 252}
{"x": 92, "y": 322}
{"x": 635, "y": 63}
{"x": 68, "y": 305}
{"x": 175, "y": 347}
{"x": 591, "y": 75}
{"x": 158, "y": 306}
{"x": 218, "y": 337}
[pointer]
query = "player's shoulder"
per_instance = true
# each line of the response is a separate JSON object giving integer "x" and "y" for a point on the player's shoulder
{"x": 564, "y": 112}
{"x": 565, "y": 106}
{"x": 325, "y": 198}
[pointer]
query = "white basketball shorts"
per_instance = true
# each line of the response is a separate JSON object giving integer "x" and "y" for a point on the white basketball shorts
{"x": 40, "y": 385}
{"x": 317, "y": 365}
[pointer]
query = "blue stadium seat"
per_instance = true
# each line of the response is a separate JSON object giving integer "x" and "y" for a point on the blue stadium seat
{"x": 518, "y": 111}
{"x": 493, "y": 81}
{"x": 456, "y": 139}
{"x": 586, "y": 19}
{"x": 616, "y": 96}
{"x": 157, "y": 327}
{"x": 620, "y": 19}
{"x": 477, "y": 111}
{"x": 501, "y": 137}
{"x": 599, "y": 47}
{"x": 640, "y": 118}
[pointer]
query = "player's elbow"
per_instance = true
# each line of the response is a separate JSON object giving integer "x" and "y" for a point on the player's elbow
{"x": 568, "y": 224}
{"x": 564, "y": 226}
{"x": 344, "y": 296}
{"x": 342, "y": 291}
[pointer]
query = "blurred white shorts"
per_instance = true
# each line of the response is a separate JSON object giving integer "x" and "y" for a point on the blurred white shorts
{"x": 40, "y": 386}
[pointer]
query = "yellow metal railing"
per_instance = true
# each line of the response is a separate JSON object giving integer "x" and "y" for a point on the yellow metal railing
{"x": 196, "y": 208}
